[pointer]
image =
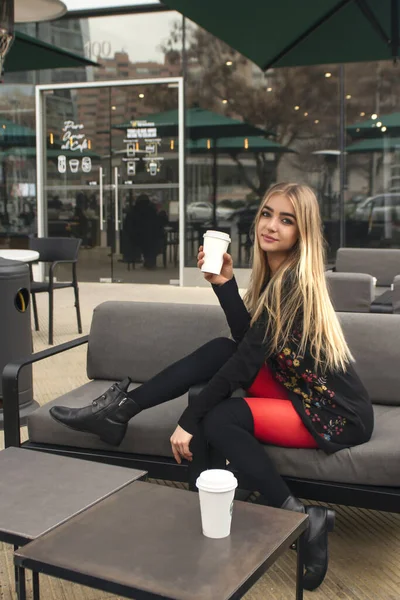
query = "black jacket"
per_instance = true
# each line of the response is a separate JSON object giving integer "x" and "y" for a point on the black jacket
{"x": 334, "y": 407}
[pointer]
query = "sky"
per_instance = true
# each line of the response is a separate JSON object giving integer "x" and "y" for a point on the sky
{"x": 137, "y": 34}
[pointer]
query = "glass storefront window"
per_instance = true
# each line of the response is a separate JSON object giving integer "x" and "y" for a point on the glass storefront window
{"x": 298, "y": 108}
{"x": 373, "y": 153}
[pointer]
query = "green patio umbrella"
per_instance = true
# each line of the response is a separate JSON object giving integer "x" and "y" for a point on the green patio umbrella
{"x": 29, "y": 54}
{"x": 291, "y": 32}
{"x": 381, "y": 144}
{"x": 13, "y": 134}
{"x": 52, "y": 153}
{"x": 235, "y": 145}
{"x": 371, "y": 128}
{"x": 200, "y": 122}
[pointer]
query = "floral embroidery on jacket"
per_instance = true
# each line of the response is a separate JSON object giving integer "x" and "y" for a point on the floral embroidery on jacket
{"x": 317, "y": 398}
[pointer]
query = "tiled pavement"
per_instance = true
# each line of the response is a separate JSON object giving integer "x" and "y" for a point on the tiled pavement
{"x": 364, "y": 548}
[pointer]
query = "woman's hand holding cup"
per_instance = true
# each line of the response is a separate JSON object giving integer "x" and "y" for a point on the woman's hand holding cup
{"x": 226, "y": 271}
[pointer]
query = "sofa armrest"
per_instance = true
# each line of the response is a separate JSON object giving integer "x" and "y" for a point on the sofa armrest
{"x": 396, "y": 294}
{"x": 11, "y": 384}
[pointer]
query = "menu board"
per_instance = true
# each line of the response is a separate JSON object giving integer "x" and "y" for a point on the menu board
{"x": 142, "y": 144}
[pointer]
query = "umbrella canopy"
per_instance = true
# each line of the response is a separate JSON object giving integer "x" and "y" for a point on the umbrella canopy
{"x": 50, "y": 153}
{"x": 29, "y": 54}
{"x": 381, "y": 144}
{"x": 370, "y": 128}
{"x": 237, "y": 145}
{"x": 291, "y": 33}
{"x": 201, "y": 123}
{"x": 13, "y": 134}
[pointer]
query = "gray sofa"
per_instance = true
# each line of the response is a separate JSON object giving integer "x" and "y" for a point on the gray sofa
{"x": 382, "y": 263}
{"x": 139, "y": 339}
{"x": 351, "y": 292}
{"x": 396, "y": 294}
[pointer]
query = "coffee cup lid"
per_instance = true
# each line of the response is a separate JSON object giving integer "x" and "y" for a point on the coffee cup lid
{"x": 216, "y": 480}
{"x": 217, "y": 234}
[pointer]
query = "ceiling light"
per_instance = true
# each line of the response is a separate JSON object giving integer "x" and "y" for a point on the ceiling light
{"x": 269, "y": 89}
{"x": 229, "y": 63}
{"x": 224, "y": 101}
{"x": 383, "y": 129}
{"x": 379, "y": 124}
{"x": 327, "y": 75}
{"x": 362, "y": 114}
{"x": 374, "y": 116}
{"x": 316, "y": 121}
{"x": 306, "y": 114}
{"x": 297, "y": 108}
{"x": 358, "y": 129}
{"x": 348, "y": 96}
{"x": 32, "y": 11}
{"x": 113, "y": 108}
{"x": 141, "y": 95}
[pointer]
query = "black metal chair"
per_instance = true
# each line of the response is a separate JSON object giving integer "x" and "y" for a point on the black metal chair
{"x": 56, "y": 250}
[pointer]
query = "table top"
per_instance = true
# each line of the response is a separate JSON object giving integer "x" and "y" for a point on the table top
{"x": 21, "y": 255}
{"x": 147, "y": 540}
{"x": 42, "y": 490}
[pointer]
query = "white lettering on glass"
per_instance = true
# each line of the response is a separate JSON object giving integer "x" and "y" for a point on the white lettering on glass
{"x": 76, "y": 142}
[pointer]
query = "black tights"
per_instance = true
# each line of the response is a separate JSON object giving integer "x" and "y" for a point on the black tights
{"x": 228, "y": 427}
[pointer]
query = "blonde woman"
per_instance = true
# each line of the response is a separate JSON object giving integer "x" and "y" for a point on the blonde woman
{"x": 288, "y": 351}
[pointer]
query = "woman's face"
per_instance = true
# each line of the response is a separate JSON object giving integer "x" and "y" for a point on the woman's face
{"x": 277, "y": 229}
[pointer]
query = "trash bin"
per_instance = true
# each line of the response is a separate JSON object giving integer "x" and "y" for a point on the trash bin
{"x": 15, "y": 329}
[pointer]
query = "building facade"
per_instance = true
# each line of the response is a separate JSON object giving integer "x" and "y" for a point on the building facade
{"x": 107, "y": 187}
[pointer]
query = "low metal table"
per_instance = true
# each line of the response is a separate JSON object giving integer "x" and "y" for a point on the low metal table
{"x": 145, "y": 542}
{"x": 41, "y": 490}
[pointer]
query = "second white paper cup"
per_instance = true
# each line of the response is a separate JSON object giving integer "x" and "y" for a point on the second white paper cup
{"x": 215, "y": 245}
{"x": 216, "y": 492}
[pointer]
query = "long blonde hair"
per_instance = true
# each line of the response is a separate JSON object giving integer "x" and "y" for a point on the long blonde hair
{"x": 296, "y": 294}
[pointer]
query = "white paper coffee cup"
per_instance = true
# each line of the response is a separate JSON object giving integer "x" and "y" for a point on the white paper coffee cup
{"x": 215, "y": 245}
{"x": 216, "y": 492}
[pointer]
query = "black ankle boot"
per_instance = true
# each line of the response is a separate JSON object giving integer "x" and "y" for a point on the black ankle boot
{"x": 107, "y": 416}
{"x": 320, "y": 521}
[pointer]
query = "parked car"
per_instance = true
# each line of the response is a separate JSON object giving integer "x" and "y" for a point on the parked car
{"x": 227, "y": 209}
{"x": 203, "y": 211}
{"x": 379, "y": 209}
{"x": 199, "y": 211}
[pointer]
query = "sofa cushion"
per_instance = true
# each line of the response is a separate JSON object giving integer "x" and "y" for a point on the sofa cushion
{"x": 140, "y": 339}
{"x": 374, "y": 463}
{"x": 148, "y": 432}
{"x": 382, "y": 263}
{"x": 374, "y": 340}
{"x": 350, "y": 292}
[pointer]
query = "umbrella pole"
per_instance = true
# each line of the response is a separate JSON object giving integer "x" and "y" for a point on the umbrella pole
{"x": 214, "y": 183}
{"x": 342, "y": 166}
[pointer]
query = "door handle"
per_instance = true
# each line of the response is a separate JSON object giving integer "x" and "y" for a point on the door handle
{"x": 101, "y": 198}
{"x": 116, "y": 215}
